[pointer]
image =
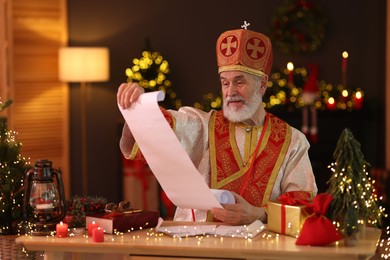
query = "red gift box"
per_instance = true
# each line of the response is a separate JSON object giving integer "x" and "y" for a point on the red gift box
{"x": 124, "y": 222}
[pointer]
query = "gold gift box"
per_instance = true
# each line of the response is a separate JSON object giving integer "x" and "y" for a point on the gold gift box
{"x": 286, "y": 219}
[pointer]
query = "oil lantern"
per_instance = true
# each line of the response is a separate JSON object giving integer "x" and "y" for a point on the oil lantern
{"x": 44, "y": 198}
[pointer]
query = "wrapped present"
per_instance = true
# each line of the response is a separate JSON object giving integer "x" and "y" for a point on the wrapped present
{"x": 127, "y": 221}
{"x": 140, "y": 186}
{"x": 287, "y": 214}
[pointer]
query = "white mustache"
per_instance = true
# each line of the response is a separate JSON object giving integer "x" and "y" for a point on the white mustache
{"x": 233, "y": 98}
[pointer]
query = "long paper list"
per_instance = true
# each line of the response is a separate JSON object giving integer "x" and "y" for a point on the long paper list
{"x": 167, "y": 159}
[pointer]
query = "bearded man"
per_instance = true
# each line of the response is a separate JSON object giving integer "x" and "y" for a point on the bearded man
{"x": 241, "y": 148}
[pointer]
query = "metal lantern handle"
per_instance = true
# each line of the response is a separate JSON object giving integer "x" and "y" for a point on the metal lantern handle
{"x": 62, "y": 199}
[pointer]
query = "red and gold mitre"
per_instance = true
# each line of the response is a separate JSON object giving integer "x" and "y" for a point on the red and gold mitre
{"x": 244, "y": 50}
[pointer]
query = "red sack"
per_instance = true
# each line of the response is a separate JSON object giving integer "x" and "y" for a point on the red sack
{"x": 318, "y": 230}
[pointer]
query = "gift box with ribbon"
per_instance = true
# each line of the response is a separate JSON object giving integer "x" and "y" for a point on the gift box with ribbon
{"x": 123, "y": 218}
{"x": 296, "y": 215}
{"x": 287, "y": 214}
{"x": 140, "y": 186}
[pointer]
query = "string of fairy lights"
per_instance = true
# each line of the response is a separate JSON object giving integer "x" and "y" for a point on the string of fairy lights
{"x": 383, "y": 244}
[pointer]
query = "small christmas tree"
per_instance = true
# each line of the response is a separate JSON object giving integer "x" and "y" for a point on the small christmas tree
{"x": 355, "y": 201}
{"x": 13, "y": 167}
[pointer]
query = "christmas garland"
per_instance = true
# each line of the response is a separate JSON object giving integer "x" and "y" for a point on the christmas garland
{"x": 282, "y": 96}
{"x": 80, "y": 206}
{"x": 299, "y": 26}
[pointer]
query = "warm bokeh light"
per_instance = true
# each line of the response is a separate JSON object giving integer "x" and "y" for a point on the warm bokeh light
{"x": 290, "y": 66}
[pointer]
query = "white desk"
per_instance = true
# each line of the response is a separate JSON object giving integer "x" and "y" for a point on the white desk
{"x": 145, "y": 244}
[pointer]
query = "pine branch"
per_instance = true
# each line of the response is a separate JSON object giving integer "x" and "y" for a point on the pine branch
{"x": 5, "y": 104}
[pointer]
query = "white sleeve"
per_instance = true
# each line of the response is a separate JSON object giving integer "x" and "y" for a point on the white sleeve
{"x": 296, "y": 173}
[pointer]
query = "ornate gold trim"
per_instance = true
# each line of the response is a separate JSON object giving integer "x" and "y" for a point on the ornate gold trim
{"x": 213, "y": 161}
{"x": 241, "y": 68}
{"x": 134, "y": 151}
{"x": 278, "y": 164}
{"x": 233, "y": 143}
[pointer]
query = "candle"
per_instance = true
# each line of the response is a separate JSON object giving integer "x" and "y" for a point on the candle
{"x": 98, "y": 235}
{"x": 344, "y": 95}
{"x": 331, "y": 104}
{"x": 358, "y": 100}
{"x": 344, "y": 61}
{"x": 91, "y": 227}
{"x": 290, "y": 68}
{"x": 62, "y": 229}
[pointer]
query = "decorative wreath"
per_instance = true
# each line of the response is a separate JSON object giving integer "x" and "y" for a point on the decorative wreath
{"x": 299, "y": 26}
{"x": 151, "y": 72}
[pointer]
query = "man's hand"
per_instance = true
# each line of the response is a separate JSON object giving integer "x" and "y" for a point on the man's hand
{"x": 128, "y": 93}
{"x": 240, "y": 213}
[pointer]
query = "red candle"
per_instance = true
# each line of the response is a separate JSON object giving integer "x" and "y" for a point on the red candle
{"x": 91, "y": 227}
{"x": 331, "y": 104}
{"x": 62, "y": 229}
{"x": 290, "y": 68}
{"x": 358, "y": 100}
{"x": 98, "y": 235}
{"x": 344, "y": 62}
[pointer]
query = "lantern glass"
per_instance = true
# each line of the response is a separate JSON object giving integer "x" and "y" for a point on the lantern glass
{"x": 43, "y": 196}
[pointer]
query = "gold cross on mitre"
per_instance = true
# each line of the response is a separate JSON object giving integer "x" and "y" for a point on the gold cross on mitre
{"x": 245, "y": 25}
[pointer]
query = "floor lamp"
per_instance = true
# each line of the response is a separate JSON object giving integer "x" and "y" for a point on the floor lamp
{"x": 84, "y": 65}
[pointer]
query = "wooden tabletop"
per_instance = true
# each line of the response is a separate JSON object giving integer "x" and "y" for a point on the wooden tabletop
{"x": 266, "y": 245}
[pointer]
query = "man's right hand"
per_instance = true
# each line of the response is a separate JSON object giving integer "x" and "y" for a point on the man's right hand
{"x": 128, "y": 93}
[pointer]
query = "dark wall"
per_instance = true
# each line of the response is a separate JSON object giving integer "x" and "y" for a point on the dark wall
{"x": 185, "y": 33}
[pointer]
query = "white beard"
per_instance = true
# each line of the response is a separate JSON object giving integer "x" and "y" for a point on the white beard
{"x": 248, "y": 109}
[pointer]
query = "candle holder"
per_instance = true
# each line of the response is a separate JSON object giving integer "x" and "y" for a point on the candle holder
{"x": 44, "y": 198}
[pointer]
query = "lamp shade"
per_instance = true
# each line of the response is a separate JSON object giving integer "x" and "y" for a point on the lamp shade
{"x": 84, "y": 64}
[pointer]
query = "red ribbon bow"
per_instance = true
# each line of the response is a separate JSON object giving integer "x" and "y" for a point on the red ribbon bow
{"x": 295, "y": 198}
